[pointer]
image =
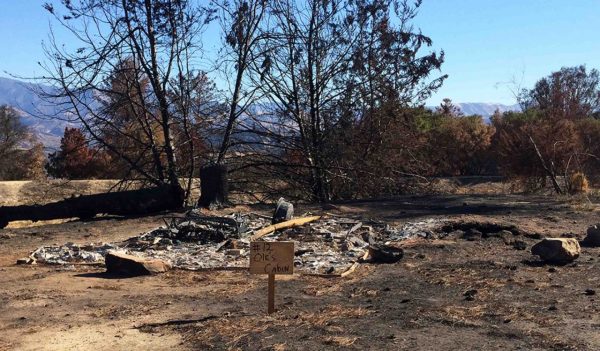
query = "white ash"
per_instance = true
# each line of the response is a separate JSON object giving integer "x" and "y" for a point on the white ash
{"x": 424, "y": 229}
{"x": 70, "y": 252}
{"x": 329, "y": 245}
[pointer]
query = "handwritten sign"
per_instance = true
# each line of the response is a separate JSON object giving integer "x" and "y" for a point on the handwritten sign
{"x": 272, "y": 257}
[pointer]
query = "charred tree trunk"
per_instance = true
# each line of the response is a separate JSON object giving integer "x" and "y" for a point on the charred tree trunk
{"x": 214, "y": 187}
{"x": 123, "y": 203}
{"x": 550, "y": 172}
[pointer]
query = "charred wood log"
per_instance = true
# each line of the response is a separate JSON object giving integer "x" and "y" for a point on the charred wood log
{"x": 214, "y": 187}
{"x": 123, "y": 203}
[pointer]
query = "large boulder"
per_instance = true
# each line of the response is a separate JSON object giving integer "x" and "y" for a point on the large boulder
{"x": 557, "y": 250}
{"x": 120, "y": 263}
{"x": 593, "y": 236}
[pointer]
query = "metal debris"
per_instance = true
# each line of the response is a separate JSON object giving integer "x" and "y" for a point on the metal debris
{"x": 70, "y": 252}
{"x": 197, "y": 242}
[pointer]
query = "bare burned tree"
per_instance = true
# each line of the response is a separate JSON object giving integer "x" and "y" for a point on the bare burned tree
{"x": 325, "y": 65}
{"x": 133, "y": 65}
{"x": 129, "y": 83}
{"x": 240, "y": 22}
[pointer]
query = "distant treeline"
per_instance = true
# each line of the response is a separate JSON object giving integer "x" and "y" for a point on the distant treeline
{"x": 324, "y": 101}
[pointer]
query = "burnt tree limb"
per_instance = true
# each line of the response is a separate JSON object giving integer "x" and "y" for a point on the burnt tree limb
{"x": 122, "y": 203}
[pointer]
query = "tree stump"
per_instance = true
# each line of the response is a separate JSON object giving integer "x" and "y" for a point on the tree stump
{"x": 214, "y": 187}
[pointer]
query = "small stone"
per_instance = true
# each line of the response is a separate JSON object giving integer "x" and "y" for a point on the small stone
{"x": 557, "y": 250}
{"x": 470, "y": 294}
{"x": 593, "y": 236}
{"x": 472, "y": 235}
{"x": 536, "y": 236}
{"x": 457, "y": 233}
{"x": 519, "y": 245}
{"x": 234, "y": 252}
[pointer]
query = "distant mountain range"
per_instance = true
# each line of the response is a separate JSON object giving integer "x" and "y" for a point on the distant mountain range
{"x": 22, "y": 96}
{"x": 486, "y": 110}
{"x": 35, "y": 112}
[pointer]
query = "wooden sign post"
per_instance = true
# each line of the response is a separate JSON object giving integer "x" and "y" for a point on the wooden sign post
{"x": 268, "y": 257}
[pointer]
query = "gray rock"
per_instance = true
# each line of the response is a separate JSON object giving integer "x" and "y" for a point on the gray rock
{"x": 472, "y": 235}
{"x": 593, "y": 236}
{"x": 557, "y": 250}
{"x": 519, "y": 245}
{"x": 283, "y": 212}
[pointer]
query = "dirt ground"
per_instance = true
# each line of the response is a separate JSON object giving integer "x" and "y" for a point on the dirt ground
{"x": 445, "y": 294}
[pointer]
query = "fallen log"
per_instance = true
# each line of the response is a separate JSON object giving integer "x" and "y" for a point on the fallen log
{"x": 122, "y": 203}
{"x": 283, "y": 225}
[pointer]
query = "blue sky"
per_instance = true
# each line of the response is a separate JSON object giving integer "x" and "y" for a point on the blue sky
{"x": 488, "y": 43}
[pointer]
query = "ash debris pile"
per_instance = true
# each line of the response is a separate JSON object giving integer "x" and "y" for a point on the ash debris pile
{"x": 202, "y": 230}
{"x": 71, "y": 252}
{"x": 326, "y": 245}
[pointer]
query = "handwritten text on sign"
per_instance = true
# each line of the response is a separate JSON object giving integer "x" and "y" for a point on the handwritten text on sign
{"x": 272, "y": 257}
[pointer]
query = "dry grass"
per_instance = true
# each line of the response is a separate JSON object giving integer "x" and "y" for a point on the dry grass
{"x": 452, "y": 186}
{"x": 459, "y": 316}
{"x": 234, "y": 330}
{"x": 579, "y": 183}
{"x": 40, "y": 192}
{"x": 581, "y": 203}
{"x": 221, "y": 282}
{"x": 342, "y": 341}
